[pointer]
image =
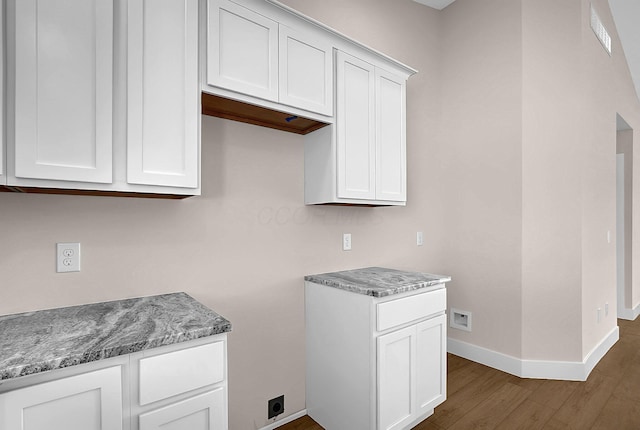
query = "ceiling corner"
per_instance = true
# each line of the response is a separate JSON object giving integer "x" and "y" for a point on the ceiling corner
{"x": 436, "y": 4}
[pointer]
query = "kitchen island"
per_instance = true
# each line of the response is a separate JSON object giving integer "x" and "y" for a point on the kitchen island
{"x": 375, "y": 347}
{"x": 120, "y": 365}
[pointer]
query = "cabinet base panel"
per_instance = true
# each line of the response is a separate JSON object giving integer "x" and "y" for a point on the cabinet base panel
{"x": 244, "y": 112}
{"x": 35, "y": 190}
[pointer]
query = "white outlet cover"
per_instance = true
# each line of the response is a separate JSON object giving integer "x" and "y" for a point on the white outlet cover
{"x": 67, "y": 257}
{"x": 346, "y": 242}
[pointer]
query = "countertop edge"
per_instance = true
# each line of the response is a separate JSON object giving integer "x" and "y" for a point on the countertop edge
{"x": 213, "y": 324}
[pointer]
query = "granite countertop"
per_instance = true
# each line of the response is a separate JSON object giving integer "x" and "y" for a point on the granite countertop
{"x": 378, "y": 281}
{"x": 39, "y": 341}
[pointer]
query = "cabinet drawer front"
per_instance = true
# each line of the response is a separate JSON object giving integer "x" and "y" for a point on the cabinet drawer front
{"x": 401, "y": 311}
{"x": 206, "y": 411}
{"x": 167, "y": 375}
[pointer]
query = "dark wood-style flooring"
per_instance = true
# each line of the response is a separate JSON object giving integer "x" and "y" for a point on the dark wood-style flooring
{"x": 480, "y": 397}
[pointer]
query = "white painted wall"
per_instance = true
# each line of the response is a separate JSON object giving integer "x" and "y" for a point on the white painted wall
{"x": 244, "y": 246}
{"x": 479, "y": 160}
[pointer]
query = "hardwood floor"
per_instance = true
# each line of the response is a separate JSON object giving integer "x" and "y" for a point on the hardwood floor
{"x": 480, "y": 397}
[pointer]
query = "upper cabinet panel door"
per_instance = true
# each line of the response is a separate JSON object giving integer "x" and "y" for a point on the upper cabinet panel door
{"x": 242, "y": 50}
{"x": 163, "y": 100}
{"x": 355, "y": 125}
{"x": 306, "y": 72}
{"x": 391, "y": 176}
{"x": 63, "y": 89}
{"x": 91, "y": 401}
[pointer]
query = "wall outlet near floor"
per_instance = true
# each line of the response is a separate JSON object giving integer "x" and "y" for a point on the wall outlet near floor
{"x": 460, "y": 319}
{"x": 346, "y": 242}
{"x": 275, "y": 406}
{"x": 419, "y": 238}
{"x": 606, "y": 309}
{"x": 67, "y": 257}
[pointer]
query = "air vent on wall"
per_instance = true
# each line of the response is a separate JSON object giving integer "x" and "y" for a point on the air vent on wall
{"x": 600, "y": 31}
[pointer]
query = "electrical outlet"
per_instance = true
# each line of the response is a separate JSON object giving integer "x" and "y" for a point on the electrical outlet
{"x": 599, "y": 315}
{"x": 68, "y": 257}
{"x": 606, "y": 309}
{"x": 346, "y": 242}
{"x": 275, "y": 407}
{"x": 419, "y": 238}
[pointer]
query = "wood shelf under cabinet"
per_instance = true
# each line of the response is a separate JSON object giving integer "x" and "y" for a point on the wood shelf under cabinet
{"x": 244, "y": 112}
{"x": 74, "y": 192}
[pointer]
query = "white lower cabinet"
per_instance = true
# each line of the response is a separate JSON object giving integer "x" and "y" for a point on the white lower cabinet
{"x": 203, "y": 412}
{"x": 175, "y": 387}
{"x": 89, "y": 401}
{"x": 396, "y": 372}
{"x": 411, "y": 373}
{"x": 180, "y": 389}
{"x": 374, "y": 363}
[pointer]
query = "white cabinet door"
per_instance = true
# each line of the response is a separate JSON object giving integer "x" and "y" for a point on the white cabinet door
{"x": 242, "y": 50}
{"x": 355, "y": 126}
{"x": 63, "y": 89}
{"x": 91, "y": 401}
{"x": 306, "y": 72}
{"x": 391, "y": 176}
{"x": 163, "y": 100}
{"x": 431, "y": 363}
{"x": 204, "y": 412}
{"x": 396, "y": 386}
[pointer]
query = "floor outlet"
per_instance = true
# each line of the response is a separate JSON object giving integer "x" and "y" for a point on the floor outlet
{"x": 275, "y": 407}
{"x": 68, "y": 257}
{"x": 346, "y": 242}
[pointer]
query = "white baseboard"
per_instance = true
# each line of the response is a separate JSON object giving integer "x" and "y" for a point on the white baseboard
{"x": 537, "y": 369}
{"x": 629, "y": 314}
{"x": 285, "y": 420}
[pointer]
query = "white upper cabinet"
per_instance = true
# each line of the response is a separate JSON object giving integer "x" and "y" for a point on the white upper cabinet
{"x": 103, "y": 96}
{"x": 163, "y": 97}
{"x": 242, "y": 50}
{"x": 391, "y": 165}
{"x": 306, "y": 72}
{"x": 361, "y": 158}
{"x": 264, "y": 59}
{"x": 63, "y": 89}
{"x": 356, "y": 128}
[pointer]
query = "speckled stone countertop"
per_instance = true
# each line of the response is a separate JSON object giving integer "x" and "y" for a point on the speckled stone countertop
{"x": 377, "y": 281}
{"x": 51, "y": 339}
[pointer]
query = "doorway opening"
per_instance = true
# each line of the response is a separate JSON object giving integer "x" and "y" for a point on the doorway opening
{"x": 624, "y": 195}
